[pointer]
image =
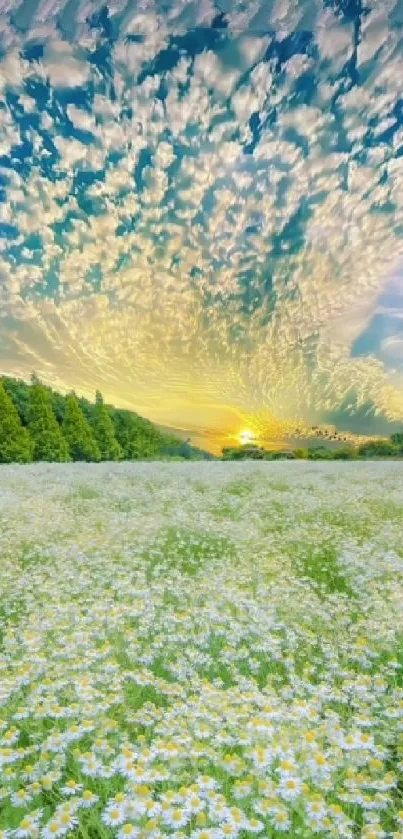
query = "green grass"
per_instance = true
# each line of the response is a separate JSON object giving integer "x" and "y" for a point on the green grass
{"x": 188, "y": 551}
{"x": 224, "y": 616}
{"x": 84, "y": 493}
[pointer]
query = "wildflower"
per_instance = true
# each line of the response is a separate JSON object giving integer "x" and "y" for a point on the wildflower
{"x": 254, "y": 825}
{"x": 176, "y": 818}
{"x": 281, "y": 820}
{"x": 114, "y": 815}
{"x": 72, "y": 787}
{"x": 290, "y": 787}
{"x": 128, "y": 831}
{"x": 28, "y": 827}
{"x": 373, "y": 831}
{"x": 53, "y": 829}
{"x": 21, "y": 798}
{"x": 88, "y": 799}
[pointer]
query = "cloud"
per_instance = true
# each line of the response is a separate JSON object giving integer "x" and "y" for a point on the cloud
{"x": 196, "y": 218}
{"x": 335, "y": 40}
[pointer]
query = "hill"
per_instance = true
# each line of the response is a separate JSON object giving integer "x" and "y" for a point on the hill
{"x": 131, "y": 436}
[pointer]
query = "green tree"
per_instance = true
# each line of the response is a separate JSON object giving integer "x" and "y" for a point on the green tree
{"x": 19, "y": 393}
{"x": 397, "y": 441}
{"x": 377, "y": 448}
{"x": 104, "y": 429}
{"x": 48, "y": 440}
{"x": 139, "y": 438}
{"x": 319, "y": 453}
{"x": 78, "y": 432}
{"x": 345, "y": 453}
{"x": 15, "y": 442}
{"x": 301, "y": 454}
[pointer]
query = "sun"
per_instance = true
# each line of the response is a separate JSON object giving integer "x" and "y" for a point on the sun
{"x": 246, "y": 437}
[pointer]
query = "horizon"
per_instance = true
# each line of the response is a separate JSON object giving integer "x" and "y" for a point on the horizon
{"x": 201, "y": 212}
{"x": 208, "y": 442}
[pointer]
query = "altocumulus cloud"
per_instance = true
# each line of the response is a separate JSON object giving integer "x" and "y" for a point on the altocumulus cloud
{"x": 201, "y": 206}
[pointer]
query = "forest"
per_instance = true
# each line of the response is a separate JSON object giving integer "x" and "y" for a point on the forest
{"x": 40, "y": 424}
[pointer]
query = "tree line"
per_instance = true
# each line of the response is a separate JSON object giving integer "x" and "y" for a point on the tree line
{"x": 39, "y": 424}
{"x": 371, "y": 449}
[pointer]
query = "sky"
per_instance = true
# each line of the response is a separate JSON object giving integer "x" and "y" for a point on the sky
{"x": 201, "y": 210}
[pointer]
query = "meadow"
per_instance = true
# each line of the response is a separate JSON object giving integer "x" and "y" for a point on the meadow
{"x": 201, "y": 650}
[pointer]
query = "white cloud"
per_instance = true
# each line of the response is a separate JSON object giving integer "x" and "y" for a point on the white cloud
{"x": 209, "y": 69}
{"x": 62, "y": 67}
{"x": 157, "y": 307}
{"x": 13, "y": 70}
{"x": 335, "y": 40}
{"x": 81, "y": 119}
{"x": 252, "y": 49}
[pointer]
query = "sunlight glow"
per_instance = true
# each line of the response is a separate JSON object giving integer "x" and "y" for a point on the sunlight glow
{"x": 246, "y": 437}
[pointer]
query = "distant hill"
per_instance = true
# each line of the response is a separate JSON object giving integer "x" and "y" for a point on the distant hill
{"x": 133, "y": 436}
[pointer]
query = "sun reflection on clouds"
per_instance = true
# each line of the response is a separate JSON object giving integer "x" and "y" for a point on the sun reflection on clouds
{"x": 201, "y": 208}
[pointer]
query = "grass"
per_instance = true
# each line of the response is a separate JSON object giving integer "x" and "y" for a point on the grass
{"x": 187, "y": 551}
{"x": 159, "y": 624}
{"x": 322, "y": 567}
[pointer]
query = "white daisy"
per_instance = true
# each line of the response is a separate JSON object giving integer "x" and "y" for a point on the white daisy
{"x": 114, "y": 815}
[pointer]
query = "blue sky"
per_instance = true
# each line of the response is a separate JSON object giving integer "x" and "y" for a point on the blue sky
{"x": 201, "y": 209}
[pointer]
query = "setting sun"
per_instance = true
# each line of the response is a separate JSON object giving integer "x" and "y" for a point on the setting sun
{"x": 246, "y": 437}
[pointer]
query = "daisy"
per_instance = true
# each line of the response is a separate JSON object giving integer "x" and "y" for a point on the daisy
{"x": 228, "y": 830}
{"x": 27, "y": 828}
{"x": 135, "y": 808}
{"x": 29, "y": 773}
{"x": 290, "y": 787}
{"x": 254, "y": 826}
{"x": 237, "y": 817}
{"x": 71, "y": 787}
{"x": 88, "y": 799}
{"x": 176, "y": 818}
{"x": 128, "y": 831}
{"x": 67, "y": 819}
{"x": 195, "y": 804}
{"x": 205, "y": 782}
{"x": 114, "y": 815}
{"x": 281, "y": 820}
{"x": 21, "y": 798}
{"x": 373, "y": 831}
{"x": 151, "y": 828}
{"x": 53, "y": 829}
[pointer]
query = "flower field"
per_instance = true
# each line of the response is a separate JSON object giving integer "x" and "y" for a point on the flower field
{"x": 201, "y": 650}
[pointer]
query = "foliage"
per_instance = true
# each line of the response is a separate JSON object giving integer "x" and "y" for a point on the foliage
{"x": 240, "y": 675}
{"x": 78, "y": 432}
{"x": 397, "y": 440}
{"x": 121, "y": 433}
{"x": 15, "y": 443}
{"x": 104, "y": 429}
{"x": 301, "y": 454}
{"x": 246, "y": 452}
{"x": 319, "y": 453}
{"x": 19, "y": 392}
{"x": 182, "y": 449}
{"x": 48, "y": 441}
{"x": 137, "y": 437}
{"x": 377, "y": 448}
{"x": 371, "y": 449}
{"x": 345, "y": 453}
